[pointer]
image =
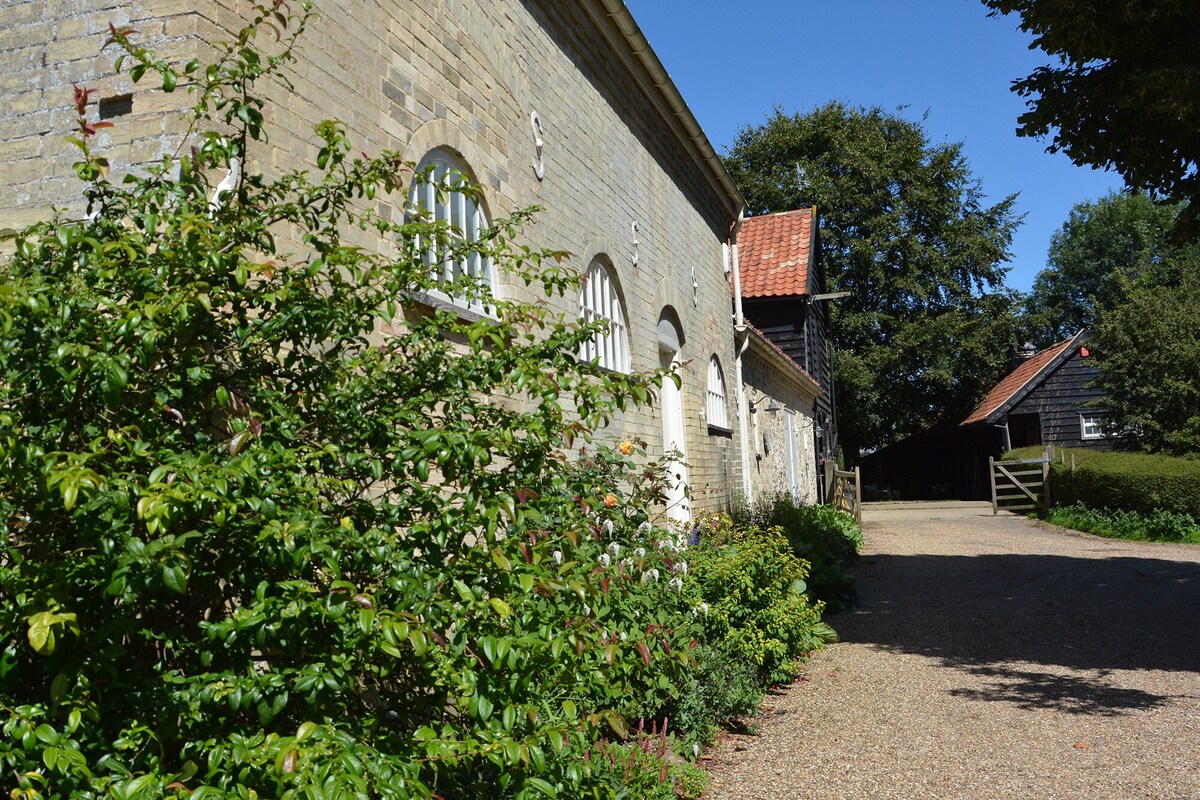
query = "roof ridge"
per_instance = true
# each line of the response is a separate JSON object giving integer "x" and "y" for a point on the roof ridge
{"x": 1025, "y": 373}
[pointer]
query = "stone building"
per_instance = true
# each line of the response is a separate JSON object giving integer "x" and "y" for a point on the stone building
{"x": 562, "y": 105}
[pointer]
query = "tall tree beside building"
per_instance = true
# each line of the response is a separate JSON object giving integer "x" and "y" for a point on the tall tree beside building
{"x": 1103, "y": 246}
{"x": 906, "y": 230}
{"x": 1123, "y": 93}
{"x": 1148, "y": 348}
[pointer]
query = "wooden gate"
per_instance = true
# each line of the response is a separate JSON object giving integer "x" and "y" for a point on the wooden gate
{"x": 843, "y": 490}
{"x": 1020, "y": 485}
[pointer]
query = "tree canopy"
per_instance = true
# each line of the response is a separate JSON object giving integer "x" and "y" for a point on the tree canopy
{"x": 1149, "y": 354}
{"x": 1125, "y": 93}
{"x": 906, "y": 230}
{"x": 1103, "y": 245}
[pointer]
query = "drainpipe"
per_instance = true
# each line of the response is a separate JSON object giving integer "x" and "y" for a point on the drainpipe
{"x": 741, "y": 341}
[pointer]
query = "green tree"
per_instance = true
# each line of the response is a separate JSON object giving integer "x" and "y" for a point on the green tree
{"x": 252, "y": 546}
{"x": 1102, "y": 247}
{"x": 1148, "y": 349}
{"x": 1124, "y": 94}
{"x": 906, "y": 231}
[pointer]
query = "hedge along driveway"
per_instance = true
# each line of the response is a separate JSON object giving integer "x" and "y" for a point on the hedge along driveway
{"x": 1137, "y": 482}
{"x": 992, "y": 657}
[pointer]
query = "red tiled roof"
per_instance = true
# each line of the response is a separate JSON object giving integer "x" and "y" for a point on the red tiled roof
{"x": 774, "y": 251}
{"x": 1016, "y": 380}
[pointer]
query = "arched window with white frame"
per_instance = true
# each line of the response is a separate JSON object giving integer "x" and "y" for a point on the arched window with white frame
{"x": 599, "y": 301}
{"x": 716, "y": 405}
{"x": 440, "y": 199}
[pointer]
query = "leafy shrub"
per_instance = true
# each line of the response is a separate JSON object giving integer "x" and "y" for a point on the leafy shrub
{"x": 1162, "y": 526}
{"x": 826, "y": 537}
{"x": 750, "y": 588}
{"x": 254, "y": 547}
{"x": 1125, "y": 481}
{"x": 725, "y": 690}
{"x": 643, "y": 768}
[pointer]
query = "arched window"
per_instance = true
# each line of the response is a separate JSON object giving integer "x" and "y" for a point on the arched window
{"x": 438, "y": 201}
{"x": 599, "y": 301}
{"x": 716, "y": 406}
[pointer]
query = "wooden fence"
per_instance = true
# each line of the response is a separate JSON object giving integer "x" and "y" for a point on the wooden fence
{"x": 843, "y": 489}
{"x": 1020, "y": 484}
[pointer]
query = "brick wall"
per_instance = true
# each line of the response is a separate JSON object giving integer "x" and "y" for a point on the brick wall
{"x": 768, "y": 383}
{"x": 412, "y": 76}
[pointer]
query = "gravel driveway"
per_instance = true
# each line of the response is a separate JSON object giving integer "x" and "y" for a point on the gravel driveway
{"x": 991, "y": 658}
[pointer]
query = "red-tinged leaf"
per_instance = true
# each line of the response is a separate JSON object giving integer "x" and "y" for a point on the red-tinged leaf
{"x": 289, "y": 762}
{"x": 525, "y": 553}
{"x": 437, "y": 637}
{"x": 103, "y": 125}
{"x": 238, "y": 442}
{"x": 604, "y": 585}
{"x": 256, "y": 426}
{"x": 645, "y": 652}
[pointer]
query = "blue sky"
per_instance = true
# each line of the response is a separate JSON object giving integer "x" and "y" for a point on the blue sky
{"x": 734, "y": 61}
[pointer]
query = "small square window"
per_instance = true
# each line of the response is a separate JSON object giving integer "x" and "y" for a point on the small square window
{"x": 1091, "y": 426}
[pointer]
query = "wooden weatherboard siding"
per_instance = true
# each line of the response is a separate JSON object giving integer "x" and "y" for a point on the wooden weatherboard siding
{"x": 1060, "y": 398}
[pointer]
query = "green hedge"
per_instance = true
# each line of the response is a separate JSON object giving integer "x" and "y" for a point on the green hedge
{"x": 1124, "y": 481}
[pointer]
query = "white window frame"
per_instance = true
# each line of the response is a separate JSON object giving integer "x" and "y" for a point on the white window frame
{"x": 716, "y": 404}
{"x": 467, "y": 220}
{"x": 1091, "y": 426}
{"x": 599, "y": 301}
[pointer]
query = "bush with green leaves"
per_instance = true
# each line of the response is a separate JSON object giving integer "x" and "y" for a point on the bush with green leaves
{"x": 255, "y": 547}
{"x": 1123, "y": 481}
{"x": 1160, "y": 526}
{"x": 826, "y": 537}
{"x": 643, "y": 768}
{"x": 749, "y": 587}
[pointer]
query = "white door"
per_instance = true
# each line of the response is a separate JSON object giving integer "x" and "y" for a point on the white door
{"x": 674, "y": 444}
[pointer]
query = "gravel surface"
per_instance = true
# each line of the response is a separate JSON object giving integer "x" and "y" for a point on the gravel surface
{"x": 992, "y": 657}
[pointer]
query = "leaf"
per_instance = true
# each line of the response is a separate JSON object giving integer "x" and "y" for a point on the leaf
{"x": 175, "y": 578}
{"x": 464, "y": 591}
{"x": 645, "y": 652}
{"x": 238, "y": 442}
{"x": 502, "y": 608}
{"x": 543, "y": 786}
{"x": 58, "y": 687}
{"x": 41, "y": 632}
{"x": 617, "y": 723}
{"x": 501, "y": 560}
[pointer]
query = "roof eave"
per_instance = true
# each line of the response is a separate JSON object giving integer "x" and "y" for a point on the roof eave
{"x": 617, "y": 24}
{"x": 1022, "y": 391}
{"x": 765, "y": 347}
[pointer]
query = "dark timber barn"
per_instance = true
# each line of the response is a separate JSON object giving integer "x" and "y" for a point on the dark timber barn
{"x": 1048, "y": 398}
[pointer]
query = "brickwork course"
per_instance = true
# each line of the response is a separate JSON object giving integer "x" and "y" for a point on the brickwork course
{"x": 412, "y": 77}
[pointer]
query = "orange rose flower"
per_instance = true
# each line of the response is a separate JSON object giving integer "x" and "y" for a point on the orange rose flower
{"x": 610, "y": 500}
{"x": 626, "y": 447}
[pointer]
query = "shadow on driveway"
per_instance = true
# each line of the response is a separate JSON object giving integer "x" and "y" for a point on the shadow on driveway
{"x": 980, "y": 613}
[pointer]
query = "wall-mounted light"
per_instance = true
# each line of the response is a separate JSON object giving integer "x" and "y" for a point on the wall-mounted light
{"x": 773, "y": 406}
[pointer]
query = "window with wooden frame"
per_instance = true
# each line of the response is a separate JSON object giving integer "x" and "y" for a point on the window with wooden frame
{"x": 716, "y": 404}
{"x": 599, "y": 301}
{"x": 441, "y": 199}
{"x": 1091, "y": 426}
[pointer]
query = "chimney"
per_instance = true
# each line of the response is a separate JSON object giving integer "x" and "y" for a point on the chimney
{"x": 1021, "y": 355}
